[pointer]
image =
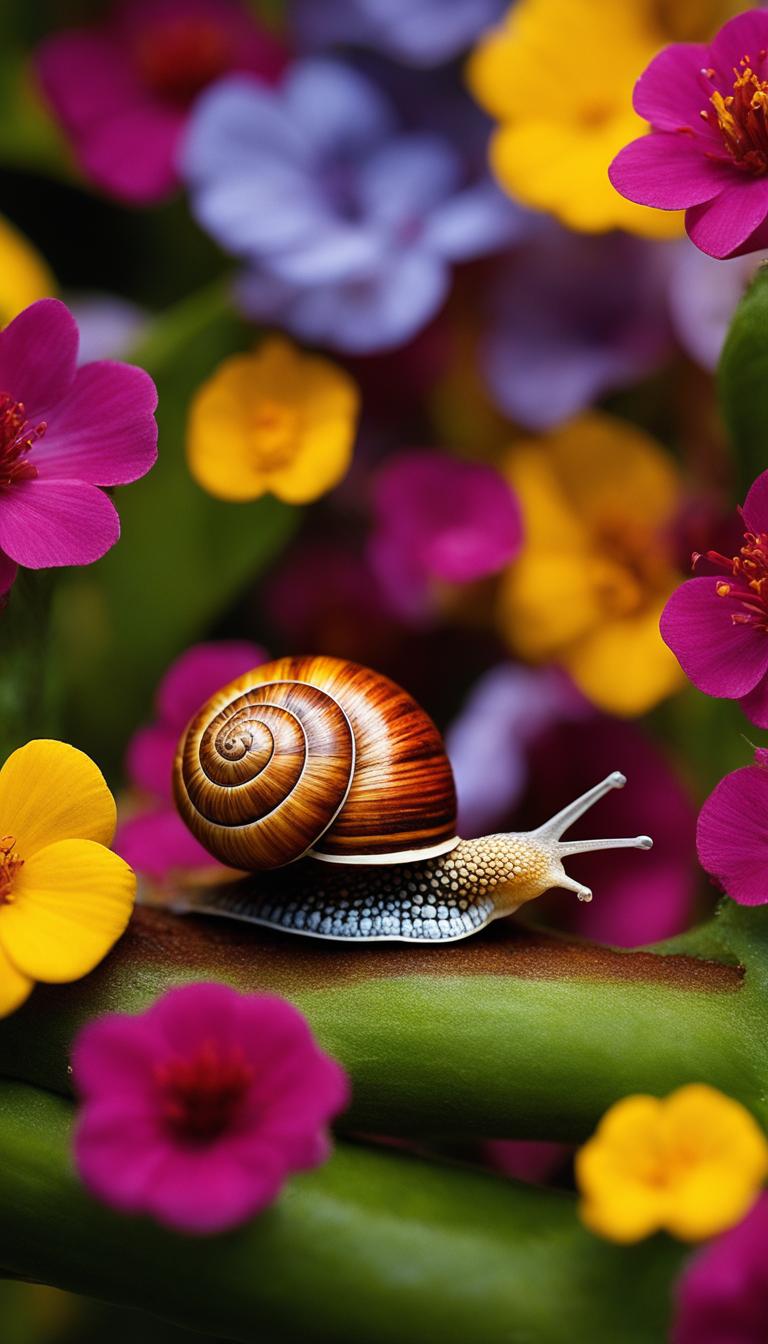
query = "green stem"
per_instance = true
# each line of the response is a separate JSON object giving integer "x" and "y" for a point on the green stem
{"x": 513, "y": 1035}
{"x": 373, "y": 1246}
{"x": 27, "y": 702}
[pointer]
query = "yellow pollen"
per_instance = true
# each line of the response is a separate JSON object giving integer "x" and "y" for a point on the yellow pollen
{"x": 275, "y": 429}
{"x": 723, "y": 589}
{"x": 10, "y": 863}
{"x": 742, "y": 119}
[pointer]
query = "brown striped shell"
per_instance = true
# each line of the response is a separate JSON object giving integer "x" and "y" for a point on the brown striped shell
{"x": 320, "y": 756}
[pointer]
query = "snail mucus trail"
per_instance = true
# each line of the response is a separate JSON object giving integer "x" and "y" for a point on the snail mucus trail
{"x": 329, "y": 788}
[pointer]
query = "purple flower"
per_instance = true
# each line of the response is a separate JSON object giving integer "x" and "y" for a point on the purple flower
{"x": 350, "y": 226}
{"x": 708, "y": 151}
{"x": 717, "y": 626}
{"x": 155, "y": 841}
{"x": 732, "y": 834}
{"x": 109, "y": 326}
{"x": 438, "y": 520}
{"x": 630, "y": 908}
{"x": 123, "y": 90}
{"x": 722, "y": 1296}
{"x": 420, "y": 32}
{"x": 571, "y": 318}
{"x": 197, "y": 1110}
{"x": 488, "y": 744}
{"x": 64, "y": 432}
{"x": 703, "y": 296}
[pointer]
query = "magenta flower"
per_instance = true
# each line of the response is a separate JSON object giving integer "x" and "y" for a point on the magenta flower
{"x": 123, "y": 90}
{"x": 438, "y": 520}
{"x": 64, "y": 432}
{"x": 708, "y": 151}
{"x": 717, "y": 625}
{"x": 196, "y": 1111}
{"x": 732, "y": 833}
{"x": 155, "y": 841}
{"x": 722, "y": 1297}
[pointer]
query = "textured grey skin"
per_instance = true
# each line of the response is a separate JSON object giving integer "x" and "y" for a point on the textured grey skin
{"x": 434, "y": 900}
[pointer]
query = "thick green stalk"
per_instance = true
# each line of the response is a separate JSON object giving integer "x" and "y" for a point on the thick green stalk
{"x": 27, "y": 703}
{"x": 373, "y": 1246}
{"x": 508, "y": 1035}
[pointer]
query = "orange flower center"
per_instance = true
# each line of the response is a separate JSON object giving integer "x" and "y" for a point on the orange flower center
{"x": 10, "y": 863}
{"x": 178, "y": 59}
{"x": 741, "y": 118}
{"x": 275, "y": 427}
{"x": 747, "y": 582}
{"x": 16, "y": 440}
{"x": 202, "y": 1097}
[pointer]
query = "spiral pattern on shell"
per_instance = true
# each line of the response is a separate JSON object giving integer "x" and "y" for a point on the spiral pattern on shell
{"x": 314, "y": 754}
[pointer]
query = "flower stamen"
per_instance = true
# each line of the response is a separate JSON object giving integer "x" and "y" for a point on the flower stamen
{"x": 16, "y": 440}
{"x": 742, "y": 118}
{"x": 749, "y": 570}
{"x": 10, "y": 863}
{"x": 202, "y": 1096}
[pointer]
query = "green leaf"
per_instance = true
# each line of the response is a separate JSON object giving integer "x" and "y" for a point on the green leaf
{"x": 373, "y": 1246}
{"x": 182, "y": 560}
{"x": 743, "y": 382}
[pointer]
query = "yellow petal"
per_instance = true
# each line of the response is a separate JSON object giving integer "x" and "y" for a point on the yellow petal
{"x": 724, "y": 1129}
{"x": 624, "y": 666}
{"x": 14, "y": 987}
{"x": 627, "y": 1216}
{"x": 24, "y": 276}
{"x": 71, "y": 902}
{"x": 613, "y": 474}
{"x": 323, "y": 459}
{"x": 547, "y": 601}
{"x": 712, "y": 1198}
{"x": 314, "y": 403}
{"x": 549, "y": 516}
{"x": 50, "y": 791}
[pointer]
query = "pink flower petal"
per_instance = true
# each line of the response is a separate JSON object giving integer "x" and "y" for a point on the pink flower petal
{"x": 158, "y": 844}
{"x": 38, "y": 356}
{"x": 120, "y": 1154}
{"x": 745, "y": 35}
{"x": 104, "y": 430}
{"x": 724, "y": 227}
{"x": 755, "y": 705}
{"x": 8, "y": 571}
{"x": 669, "y": 171}
{"x": 132, "y": 155}
{"x": 206, "y": 1192}
{"x": 719, "y": 657}
{"x": 722, "y": 1295}
{"x": 732, "y": 835}
{"x": 672, "y": 91}
{"x": 199, "y": 673}
{"x": 149, "y": 759}
{"x": 44, "y": 524}
{"x": 114, "y": 1056}
{"x": 86, "y": 77}
{"x": 755, "y": 509}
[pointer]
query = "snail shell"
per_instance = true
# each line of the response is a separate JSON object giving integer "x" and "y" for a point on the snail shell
{"x": 319, "y": 756}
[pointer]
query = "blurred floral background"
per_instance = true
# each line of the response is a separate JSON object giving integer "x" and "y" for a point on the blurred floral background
{"x": 433, "y": 396}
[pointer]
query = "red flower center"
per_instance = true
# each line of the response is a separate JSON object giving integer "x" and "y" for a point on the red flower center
{"x": 202, "y": 1096}
{"x": 16, "y": 439}
{"x": 747, "y": 585}
{"x": 178, "y": 59}
{"x": 10, "y": 863}
{"x": 741, "y": 118}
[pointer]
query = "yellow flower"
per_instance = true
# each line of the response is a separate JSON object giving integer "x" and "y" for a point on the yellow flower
{"x": 598, "y": 497}
{"x": 65, "y": 898}
{"x": 274, "y": 420}
{"x": 691, "y": 1164}
{"x": 558, "y": 76}
{"x": 24, "y": 275}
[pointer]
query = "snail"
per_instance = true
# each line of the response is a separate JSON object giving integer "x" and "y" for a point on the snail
{"x": 330, "y": 786}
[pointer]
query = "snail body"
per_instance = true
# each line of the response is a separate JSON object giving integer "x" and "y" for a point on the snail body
{"x": 330, "y": 787}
